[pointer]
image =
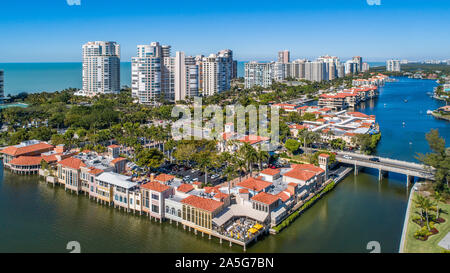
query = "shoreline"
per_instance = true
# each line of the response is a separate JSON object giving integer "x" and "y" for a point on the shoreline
{"x": 406, "y": 222}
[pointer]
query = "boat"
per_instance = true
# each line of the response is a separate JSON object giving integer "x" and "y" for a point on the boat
{"x": 405, "y": 100}
{"x": 429, "y": 112}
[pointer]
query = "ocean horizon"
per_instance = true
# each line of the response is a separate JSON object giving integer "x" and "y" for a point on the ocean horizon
{"x": 57, "y": 76}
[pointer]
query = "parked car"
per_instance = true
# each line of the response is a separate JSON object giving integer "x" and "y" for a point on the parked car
{"x": 347, "y": 157}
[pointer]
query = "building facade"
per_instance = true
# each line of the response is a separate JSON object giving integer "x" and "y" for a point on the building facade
{"x": 101, "y": 68}
{"x": 393, "y": 65}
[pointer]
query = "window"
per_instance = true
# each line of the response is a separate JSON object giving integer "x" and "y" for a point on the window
{"x": 155, "y": 208}
{"x": 155, "y": 196}
{"x": 167, "y": 209}
{"x": 131, "y": 201}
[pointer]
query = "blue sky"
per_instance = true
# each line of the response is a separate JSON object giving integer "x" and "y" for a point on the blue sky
{"x": 53, "y": 31}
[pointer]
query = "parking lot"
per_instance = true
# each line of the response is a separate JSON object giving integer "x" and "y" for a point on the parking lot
{"x": 190, "y": 175}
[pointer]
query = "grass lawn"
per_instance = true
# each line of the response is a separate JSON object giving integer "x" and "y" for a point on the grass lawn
{"x": 414, "y": 245}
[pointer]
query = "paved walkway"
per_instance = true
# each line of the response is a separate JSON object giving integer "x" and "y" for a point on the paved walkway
{"x": 445, "y": 243}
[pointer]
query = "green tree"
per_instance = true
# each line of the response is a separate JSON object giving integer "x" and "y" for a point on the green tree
{"x": 150, "y": 158}
{"x": 438, "y": 160}
{"x": 292, "y": 145}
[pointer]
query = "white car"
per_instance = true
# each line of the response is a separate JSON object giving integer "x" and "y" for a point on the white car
{"x": 347, "y": 157}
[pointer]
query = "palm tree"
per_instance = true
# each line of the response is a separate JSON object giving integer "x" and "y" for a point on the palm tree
{"x": 427, "y": 206}
{"x": 262, "y": 157}
{"x": 419, "y": 201}
{"x": 229, "y": 172}
{"x": 240, "y": 165}
{"x": 250, "y": 156}
{"x": 438, "y": 197}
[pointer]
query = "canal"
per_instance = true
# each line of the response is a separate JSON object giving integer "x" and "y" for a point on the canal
{"x": 35, "y": 217}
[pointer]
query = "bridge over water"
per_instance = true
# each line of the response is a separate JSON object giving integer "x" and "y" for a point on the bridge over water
{"x": 409, "y": 169}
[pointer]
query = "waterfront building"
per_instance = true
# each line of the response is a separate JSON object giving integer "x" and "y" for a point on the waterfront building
{"x": 28, "y": 149}
{"x": 198, "y": 212}
{"x": 154, "y": 195}
{"x": 101, "y": 68}
{"x": 78, "y": 172}
{"x": 258, "y": 74}
{"x": 2, "y": 85}
{"x": 393, "y": 65}
{"x": 284, "y": 56}
{"x": 254, "y": 185}
{"x": 69, "y": 172}
{"x": 114, "y": 188}
{"x": 333, "y": 101}
{"x": 307, "y": 176}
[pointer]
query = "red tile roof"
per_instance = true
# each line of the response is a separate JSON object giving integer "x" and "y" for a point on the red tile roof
{"x": 202, "y": 203}
{"x": 254, "y": 184}
{"x": 155, "y": 186}
{"x": 270, "y": 171}
{"x": 304, "y": 172}
{"x": 26, "y": 161}
{"x": 252, "y": 139}
{"x": 283, "y": 196}
{"x": 221, "y": 196}
{"x": 243, "y": 191}
{"x": 118, "y": 159}
{"x": 95, "y": 171}
{"x": 357, "y": 114}
{"x": 113, "y": 146}
{"x": 72, "y": 162}
{"x": 164, "y": 177}
{"x": 185, "y": 188}
{"x": 265, "y": 198}
{"x": 297, "y": 126}
{"x": 35, "y": 148}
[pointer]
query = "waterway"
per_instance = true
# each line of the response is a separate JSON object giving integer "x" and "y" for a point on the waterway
{"x": 36, "y": 217}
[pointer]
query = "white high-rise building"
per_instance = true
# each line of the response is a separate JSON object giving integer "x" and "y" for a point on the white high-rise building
{"x": 216, "y": 72}
{"x": 393, "y": 65}
{"x": 146, "y": 73}
{"x": 186, "y": 76}
{"x": 365, "y": 67}
{"x": 279, "y": 72}
{"x": 359, "y": 63}
{"x": 258, "y": 74}
{"x": 101, "y": 68}
{"x": 351, "y": 67}
{"x": 2, "y": 85}
{"x": 315, "y": 71}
